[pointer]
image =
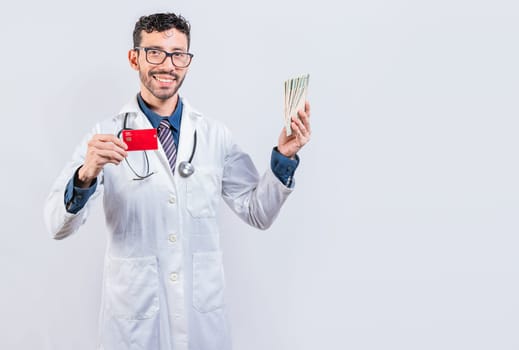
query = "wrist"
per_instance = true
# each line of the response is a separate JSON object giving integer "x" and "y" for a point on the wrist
{"x": 286, "y": 152}
{"x": 81, "y": 179}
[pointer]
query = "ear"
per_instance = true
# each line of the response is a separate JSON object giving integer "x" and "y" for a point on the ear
{"x": 133, "y": 58}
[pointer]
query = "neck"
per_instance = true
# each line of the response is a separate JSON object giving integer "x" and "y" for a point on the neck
{"x": 162, "y": 107}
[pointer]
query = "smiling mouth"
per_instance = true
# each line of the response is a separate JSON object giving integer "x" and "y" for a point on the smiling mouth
{"x": 163, "y": 79}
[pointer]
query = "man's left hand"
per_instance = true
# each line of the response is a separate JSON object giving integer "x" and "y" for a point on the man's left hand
{"x": 290, "y": 145}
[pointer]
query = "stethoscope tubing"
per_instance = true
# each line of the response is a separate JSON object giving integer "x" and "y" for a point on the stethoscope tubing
{"x": 185, "y": 168}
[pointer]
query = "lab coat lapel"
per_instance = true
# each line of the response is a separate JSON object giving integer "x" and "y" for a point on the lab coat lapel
{"x": 187, "y": 129}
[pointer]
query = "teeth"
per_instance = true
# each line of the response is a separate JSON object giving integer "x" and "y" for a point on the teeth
{"x": 164, "y": 80}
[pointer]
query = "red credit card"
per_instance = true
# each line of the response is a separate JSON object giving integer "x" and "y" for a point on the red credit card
{"x": 141, "y": 139}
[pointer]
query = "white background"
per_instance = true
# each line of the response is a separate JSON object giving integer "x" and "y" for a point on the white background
{"x": 402, "y": 232}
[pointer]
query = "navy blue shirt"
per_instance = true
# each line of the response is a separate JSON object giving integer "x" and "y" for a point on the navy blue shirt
{"x": 174, "y": 119}
{"x": 76, "y": 197}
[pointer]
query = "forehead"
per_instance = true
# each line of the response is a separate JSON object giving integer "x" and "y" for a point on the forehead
{"x": 171, "y": 39}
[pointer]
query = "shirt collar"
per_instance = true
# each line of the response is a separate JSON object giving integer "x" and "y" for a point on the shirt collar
{"x": 155, "y": 119}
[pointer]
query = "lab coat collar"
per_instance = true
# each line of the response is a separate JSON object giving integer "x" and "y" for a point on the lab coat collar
{"x": 132, "y": 107}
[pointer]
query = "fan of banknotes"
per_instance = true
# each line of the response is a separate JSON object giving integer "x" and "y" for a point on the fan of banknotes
{"x": 295, "y": 97}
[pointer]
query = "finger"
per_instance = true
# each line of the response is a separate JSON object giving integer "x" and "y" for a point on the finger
{"x": 106, "y": 144}
{"x": 283, "y": 135}
{"x": 100, "y": 160}
{"x": 298, "y": 133}
{"x": 110, "y": 156}
{"x": 301, "y": 126}
{"x": 111, "y": 138}
{"x": 305, "y": 119}
{"x": 98, "y": 150}
{"x": 307, "y": 108}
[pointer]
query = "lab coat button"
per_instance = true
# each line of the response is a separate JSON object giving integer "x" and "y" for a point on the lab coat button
{"x": 172, "y": 200}
{"x": 173, "y": 277}
{"x": 172, "y": 238}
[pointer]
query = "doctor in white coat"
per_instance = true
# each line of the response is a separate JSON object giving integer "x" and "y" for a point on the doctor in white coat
{"x": 163, "y": 284}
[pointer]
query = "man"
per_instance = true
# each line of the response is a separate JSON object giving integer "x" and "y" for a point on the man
{"x": 163, "y": 285}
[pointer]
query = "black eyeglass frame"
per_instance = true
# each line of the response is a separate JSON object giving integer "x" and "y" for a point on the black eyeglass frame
{"x": 167, "y": 54}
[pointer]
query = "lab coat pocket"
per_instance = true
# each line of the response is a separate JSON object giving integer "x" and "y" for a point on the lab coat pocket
{"x": 203, "y": 192}
{"x": 132, "y": 288}
{"x": 208, "y": 281}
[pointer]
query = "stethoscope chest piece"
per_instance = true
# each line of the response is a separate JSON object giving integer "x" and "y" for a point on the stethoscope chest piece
{"x": 186, "y": 169}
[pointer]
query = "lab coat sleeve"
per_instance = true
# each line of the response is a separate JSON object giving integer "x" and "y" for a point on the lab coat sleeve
{"x": 256, "y": 200}
{"x": 59, "y": 222}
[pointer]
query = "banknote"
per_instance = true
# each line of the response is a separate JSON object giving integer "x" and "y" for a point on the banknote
{"x": 295, "y": 97}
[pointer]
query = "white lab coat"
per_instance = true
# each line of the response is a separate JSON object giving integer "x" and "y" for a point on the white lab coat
{"x": 163, "y": 283}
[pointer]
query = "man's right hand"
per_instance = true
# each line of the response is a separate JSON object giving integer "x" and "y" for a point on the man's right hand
{"x": 102, "y": 149}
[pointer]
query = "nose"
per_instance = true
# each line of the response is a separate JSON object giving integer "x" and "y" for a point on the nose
{"x": 168, "y": 63}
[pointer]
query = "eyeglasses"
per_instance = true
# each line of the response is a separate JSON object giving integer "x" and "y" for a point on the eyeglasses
{"x": 158, "y": 56}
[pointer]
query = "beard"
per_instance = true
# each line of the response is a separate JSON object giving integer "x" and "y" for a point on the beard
{"x": 161, "y": 93}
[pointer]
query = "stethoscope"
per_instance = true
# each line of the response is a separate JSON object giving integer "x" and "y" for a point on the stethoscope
{"x": 185, "y": 168}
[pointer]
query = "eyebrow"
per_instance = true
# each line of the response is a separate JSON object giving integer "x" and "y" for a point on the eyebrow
{"x": 161, "y": 48}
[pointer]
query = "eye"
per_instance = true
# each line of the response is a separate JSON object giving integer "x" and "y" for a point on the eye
{"x": 153, "y": 52}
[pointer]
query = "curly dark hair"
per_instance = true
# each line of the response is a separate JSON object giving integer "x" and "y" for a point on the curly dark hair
{"x": 160, "y": 22}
